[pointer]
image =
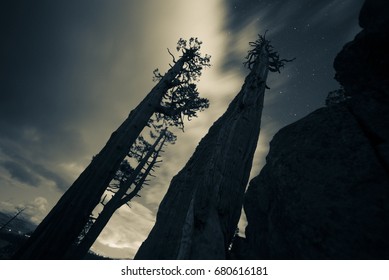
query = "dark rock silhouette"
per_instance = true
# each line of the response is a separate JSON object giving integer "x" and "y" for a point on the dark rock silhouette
{"x": 324, "y": 191}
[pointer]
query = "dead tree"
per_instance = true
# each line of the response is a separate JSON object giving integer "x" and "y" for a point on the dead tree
{"x": 12, "y": 218}
{"x": 198, "y": 216}
{"x": 61, "y": 227}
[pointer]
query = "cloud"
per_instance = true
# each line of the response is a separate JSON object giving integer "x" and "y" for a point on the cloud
{"x": 15, "y": 157}
{"x": 332, "y": 12}
{"x": 7, "y": 206}
{"x": 21, "y": 173}
{"x": 34, "y": 210}
{"x": 125, "y": 232}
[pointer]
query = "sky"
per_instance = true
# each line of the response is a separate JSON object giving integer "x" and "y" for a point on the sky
{"x": 71, "y": 71}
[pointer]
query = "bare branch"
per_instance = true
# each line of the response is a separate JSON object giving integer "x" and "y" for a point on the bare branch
{"x": 174, "y": 59}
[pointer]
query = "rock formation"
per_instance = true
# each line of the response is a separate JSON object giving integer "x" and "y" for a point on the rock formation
{"x": 324, "y": 191}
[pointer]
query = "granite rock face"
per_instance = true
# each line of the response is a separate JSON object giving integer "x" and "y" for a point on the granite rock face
{"x": 324, "y": 191}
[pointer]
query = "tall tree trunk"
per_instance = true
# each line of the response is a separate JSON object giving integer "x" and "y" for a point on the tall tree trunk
{"x": 59, "y": 230}
{"x": 198, "y": 216}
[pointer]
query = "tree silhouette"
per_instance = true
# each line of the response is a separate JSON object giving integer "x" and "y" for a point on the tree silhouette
{"x": 336, "y": 97}
{"x": 61, "y": 227}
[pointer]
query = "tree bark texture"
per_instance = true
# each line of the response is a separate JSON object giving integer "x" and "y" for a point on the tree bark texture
{"x": 200, "y": 211}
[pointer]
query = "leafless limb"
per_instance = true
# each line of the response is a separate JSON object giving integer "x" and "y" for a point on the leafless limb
{"x": 275, "y": 62}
